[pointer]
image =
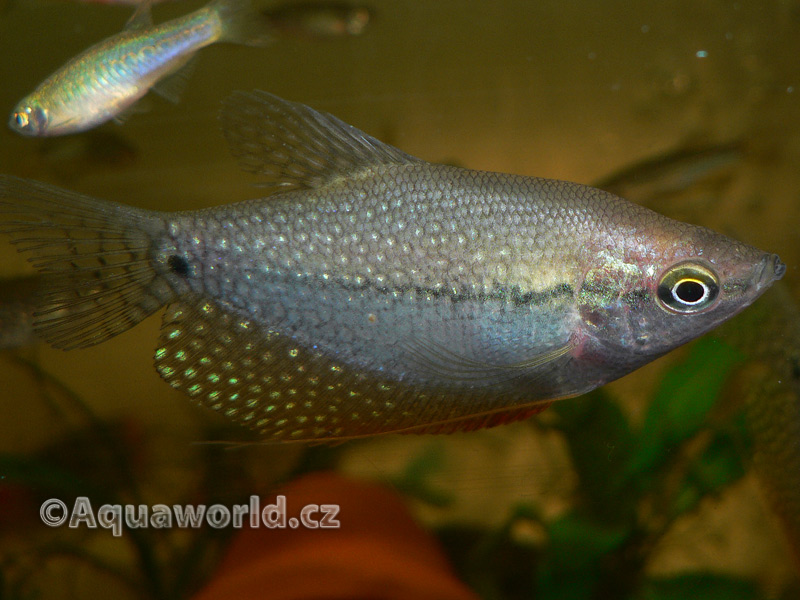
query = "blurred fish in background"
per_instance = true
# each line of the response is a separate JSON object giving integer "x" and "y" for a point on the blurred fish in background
{"x": 674, "y": 172}
{"x": 688, "y": 179}
{"x": 318, "y": 20}
{"x": 17, "y": 304}
{"x": 104, "y": 82}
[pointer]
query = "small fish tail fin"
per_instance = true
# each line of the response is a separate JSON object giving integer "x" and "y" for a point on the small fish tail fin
{"x": 101, "y": 277}
{"x": 241, "y": 24}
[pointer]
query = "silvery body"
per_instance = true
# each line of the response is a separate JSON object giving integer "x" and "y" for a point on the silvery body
{"x": 372, "y": 291}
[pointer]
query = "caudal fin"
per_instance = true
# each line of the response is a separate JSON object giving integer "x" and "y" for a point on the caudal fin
{"x": 101, "y": 279}
{"x": 241, "y": 24}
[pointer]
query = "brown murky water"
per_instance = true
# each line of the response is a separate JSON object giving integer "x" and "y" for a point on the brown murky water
{"x": 562, "y": 90}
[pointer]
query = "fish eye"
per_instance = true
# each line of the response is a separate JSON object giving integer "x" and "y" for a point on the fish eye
{"x": 29, "y": 119}
{"x": 21, "y": 118}
{"x": 688, "y": 288}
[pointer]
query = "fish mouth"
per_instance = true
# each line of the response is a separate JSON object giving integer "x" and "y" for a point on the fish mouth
{"x": 14, "y": 124}
{"x": 769, "y": 269}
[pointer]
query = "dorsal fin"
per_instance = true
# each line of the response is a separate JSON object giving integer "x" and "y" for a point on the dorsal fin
{"x": 142, "y": 17}
{"x": 293, "y": 146}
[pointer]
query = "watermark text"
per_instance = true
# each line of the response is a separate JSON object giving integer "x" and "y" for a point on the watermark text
{"x": 116, "y": 517}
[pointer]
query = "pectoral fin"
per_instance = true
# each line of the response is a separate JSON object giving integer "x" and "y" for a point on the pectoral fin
{"x": 442, "y": 363}
{"x": 172, "y": 86}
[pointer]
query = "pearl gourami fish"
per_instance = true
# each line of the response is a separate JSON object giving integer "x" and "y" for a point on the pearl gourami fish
{"x": 103, "y": 82}
{"x": 374, "y": 292}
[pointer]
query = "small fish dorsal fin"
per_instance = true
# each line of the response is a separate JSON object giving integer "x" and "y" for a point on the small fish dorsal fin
{"x": 141, "y": 18}
{"x": 292, "y": 146}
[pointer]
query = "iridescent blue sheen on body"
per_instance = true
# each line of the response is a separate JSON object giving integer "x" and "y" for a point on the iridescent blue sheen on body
{"x": 105, "y": 80}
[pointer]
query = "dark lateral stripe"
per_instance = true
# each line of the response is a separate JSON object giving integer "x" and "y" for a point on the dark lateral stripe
{"x": 510, "y": 294}
{"x": 611, "y": 293}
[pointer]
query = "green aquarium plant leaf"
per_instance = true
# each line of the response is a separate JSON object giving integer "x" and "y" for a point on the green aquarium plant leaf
{"x": 414, "y": 480}
{"x": 576, "y": 541}
{"x": 719, "y": 465}
{"x": 682, "y": 402}
{"x": 574, "y": 559}
{"x": 601, "y": 444}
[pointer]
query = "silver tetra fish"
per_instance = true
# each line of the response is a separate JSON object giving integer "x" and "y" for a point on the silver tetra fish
{"x": 103, "y": 82}
{"x": 374, "y": 292}
{"x": 318, "y": 20}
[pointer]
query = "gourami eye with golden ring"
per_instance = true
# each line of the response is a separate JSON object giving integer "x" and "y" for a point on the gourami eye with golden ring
{"x": 688, "y": 287}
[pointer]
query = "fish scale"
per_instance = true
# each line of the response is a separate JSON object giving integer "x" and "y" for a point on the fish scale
{"x": 423, "y": 238}
{"x": 373, "y": 292}
{"x": 345, "y": 271}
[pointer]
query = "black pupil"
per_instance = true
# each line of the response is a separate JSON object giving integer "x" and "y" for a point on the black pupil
{"x": 178, "y": 265}
{"x": 689, "y": 291}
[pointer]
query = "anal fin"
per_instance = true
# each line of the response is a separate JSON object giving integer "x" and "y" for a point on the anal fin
{"x": 172, "y": 86}
{"x": 259, "y": 378}
{"x": 266, "y": 381}
{"x": 482, "y": 421}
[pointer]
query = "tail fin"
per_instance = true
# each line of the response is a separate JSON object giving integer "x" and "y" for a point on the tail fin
{"x": 101, "y": 279}
{"x": 241, "y": 24}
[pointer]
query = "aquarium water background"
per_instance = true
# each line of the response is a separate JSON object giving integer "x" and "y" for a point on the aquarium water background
{"x": 548, "y": 508}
